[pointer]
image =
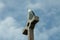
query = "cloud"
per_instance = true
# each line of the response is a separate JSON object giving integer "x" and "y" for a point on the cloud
{"x": 10, "y": 30}
{"x": 2, "y": 6}
{"x": 14, "y": 8}
{"x": 44, "y": 4}
{"x": 35, "y": 6}
{"x": 49, "y": 20}
{"x": 47, "y": 34}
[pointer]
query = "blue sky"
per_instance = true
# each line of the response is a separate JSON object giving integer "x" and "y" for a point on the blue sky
{"x": 13, "y": 18}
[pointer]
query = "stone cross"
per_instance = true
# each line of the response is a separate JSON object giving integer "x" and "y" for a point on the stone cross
{"x": 29, "y": 29}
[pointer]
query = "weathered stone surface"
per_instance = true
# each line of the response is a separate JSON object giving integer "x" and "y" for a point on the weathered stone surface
{"x": 32, "y": 20}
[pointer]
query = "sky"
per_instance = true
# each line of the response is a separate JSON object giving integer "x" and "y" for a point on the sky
{"x": 13, "y": 18}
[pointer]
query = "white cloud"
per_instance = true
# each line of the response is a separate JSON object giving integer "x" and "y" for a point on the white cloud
{"x": 46, "y": 34}
{"x": 9, "y": 30}
{"x": 2, "y": 6}
{"x": 44, "y": 4}
{"x": 50, "y": 9}
{"x": 34, "y": 6}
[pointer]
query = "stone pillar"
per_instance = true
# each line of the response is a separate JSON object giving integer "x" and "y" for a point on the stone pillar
{"x": 29, "y": 29}
{"x": 30, "y": 34}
